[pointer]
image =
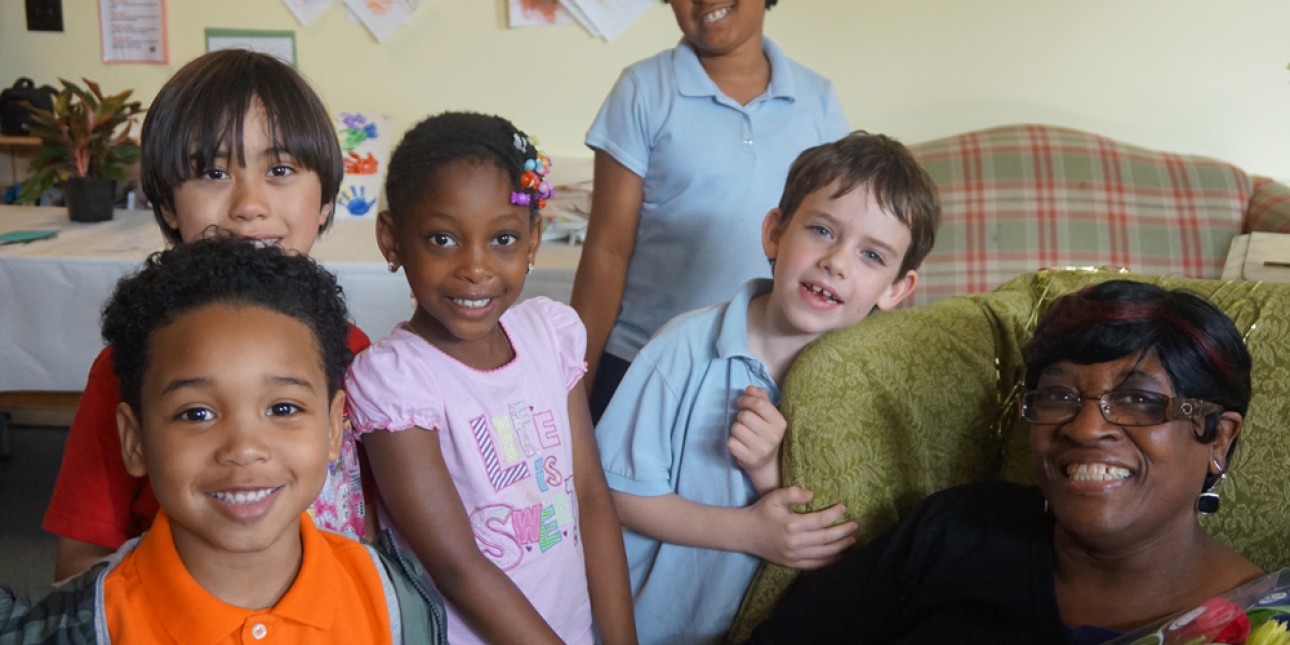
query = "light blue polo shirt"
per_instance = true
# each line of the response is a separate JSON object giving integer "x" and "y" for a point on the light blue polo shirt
{"x": 712, "y": 169}
{"x": 665, "y": 431}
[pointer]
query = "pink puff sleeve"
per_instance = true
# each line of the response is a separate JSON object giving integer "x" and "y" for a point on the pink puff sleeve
{"x": 391, "y": 387}
{"x": 568, "y": 337}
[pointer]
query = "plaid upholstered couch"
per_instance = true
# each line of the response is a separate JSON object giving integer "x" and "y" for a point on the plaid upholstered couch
{"x": 1025, "y": 197}
{"x": 917, "y": 400}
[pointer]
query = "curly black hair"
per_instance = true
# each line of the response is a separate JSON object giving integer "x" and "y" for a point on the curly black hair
{"x": 222, "y": 269}
{"x": 202, "y": 108}
{"x": 447, "y": 137}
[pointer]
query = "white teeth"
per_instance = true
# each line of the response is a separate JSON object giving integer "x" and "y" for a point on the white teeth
{"x": 267, "y": 242}
{"x": 716, "y": 15}
{"x": 243, "y": 497}
{"x": 1096, "y": 472}
{"x": 471, "y": 304}
{"x": 824, "y": 292}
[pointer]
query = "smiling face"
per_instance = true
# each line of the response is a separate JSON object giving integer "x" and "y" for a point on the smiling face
{"x": 235, "y": 430}
{"x": 1108, "y": 484}
{"x": 465, "y": 250}
{"x": 835, "y": 260}
{"x": 272, "y": 198}
{"x": 718, "y": 27}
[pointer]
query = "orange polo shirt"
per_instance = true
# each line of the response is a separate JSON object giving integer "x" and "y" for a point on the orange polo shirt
{"x": 337, "y": 597}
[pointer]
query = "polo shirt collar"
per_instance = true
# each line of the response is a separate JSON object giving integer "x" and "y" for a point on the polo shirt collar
{"x": 191, "y": 615}
{"x": 732, "y": 337}
{"x": 693, "y": 80}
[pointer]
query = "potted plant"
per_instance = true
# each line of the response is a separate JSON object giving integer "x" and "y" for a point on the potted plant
{"x": 85, "y": 148}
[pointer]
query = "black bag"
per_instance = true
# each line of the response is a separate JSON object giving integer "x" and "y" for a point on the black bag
{"x": 13, "y": 116}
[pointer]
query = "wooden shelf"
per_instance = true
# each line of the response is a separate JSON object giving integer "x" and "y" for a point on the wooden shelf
{"x": 6, "y": 140}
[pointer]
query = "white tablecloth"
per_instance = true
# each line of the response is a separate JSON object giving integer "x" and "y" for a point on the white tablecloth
{"x": 51, "y": 291}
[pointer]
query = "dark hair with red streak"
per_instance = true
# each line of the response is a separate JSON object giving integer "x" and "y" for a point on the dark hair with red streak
{"x": 1198, "y": 345}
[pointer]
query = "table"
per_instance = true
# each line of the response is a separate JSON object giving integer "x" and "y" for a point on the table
{"x": 51, "y": 291}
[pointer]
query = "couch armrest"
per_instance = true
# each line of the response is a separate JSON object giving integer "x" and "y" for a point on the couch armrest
{"x": 890, "y": 410}
{"x": 1269, "y": 207}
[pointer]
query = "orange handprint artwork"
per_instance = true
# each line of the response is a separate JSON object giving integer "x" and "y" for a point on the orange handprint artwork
{"x": 361, "y": 165}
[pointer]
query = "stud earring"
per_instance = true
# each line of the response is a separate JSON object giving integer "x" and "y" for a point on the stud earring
{"x": 1207, "y": 503}
{"x": 392, "y": 266}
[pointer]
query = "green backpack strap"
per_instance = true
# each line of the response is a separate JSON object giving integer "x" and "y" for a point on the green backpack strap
{"x": 420, "y": 607}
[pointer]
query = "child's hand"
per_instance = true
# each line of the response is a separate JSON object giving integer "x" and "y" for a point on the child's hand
{"x": 755, "y": 438}
{"x": 798, "y": 540}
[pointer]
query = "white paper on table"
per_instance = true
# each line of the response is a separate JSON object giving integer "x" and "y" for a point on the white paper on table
{"x": 133, "y": 31}
{"x": 382, "y": 17}
{"x": 307, "y": 10}
{"x": 530, "y": 13}
{"x": 574, "y": 10}
{"x": 613, "y": 17}
{"x": 365, "y": 143}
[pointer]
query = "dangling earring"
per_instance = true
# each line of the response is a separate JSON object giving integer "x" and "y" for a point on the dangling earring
{"x": 1207, "y": 502}
{"x": 530, "y": 269}
{"x": 772, "y": 264}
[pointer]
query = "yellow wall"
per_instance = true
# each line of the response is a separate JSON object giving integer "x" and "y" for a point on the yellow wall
{"x": 1194, "y": 76}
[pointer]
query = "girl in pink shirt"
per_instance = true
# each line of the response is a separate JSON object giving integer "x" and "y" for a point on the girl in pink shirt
{"x": 471, "y": 412}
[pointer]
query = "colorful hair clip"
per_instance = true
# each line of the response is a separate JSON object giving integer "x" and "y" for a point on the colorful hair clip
{"x": 534, "y": 187}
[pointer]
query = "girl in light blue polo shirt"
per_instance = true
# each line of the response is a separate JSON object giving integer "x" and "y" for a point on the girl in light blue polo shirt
{"x": 692, "y": 146}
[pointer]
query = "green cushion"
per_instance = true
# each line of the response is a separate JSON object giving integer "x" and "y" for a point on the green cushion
{"x": 913, "y": 401}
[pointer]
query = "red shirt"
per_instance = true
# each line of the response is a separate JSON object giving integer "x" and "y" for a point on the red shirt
{"x": 95, "y": 500}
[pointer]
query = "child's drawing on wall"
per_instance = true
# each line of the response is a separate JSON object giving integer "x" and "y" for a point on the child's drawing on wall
{"x": 526, "y": 13}
{"x": 365, "y": 146}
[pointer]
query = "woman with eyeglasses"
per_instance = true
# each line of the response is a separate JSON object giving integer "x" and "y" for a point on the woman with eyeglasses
{"x": 1135, "y": 396}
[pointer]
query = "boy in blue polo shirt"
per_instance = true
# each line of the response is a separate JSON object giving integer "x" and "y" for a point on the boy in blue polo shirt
{"x": 690, "y": 441}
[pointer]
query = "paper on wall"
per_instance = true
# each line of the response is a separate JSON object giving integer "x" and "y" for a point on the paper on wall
{"x": 611, "y": 17}
{"x": 365, "y": 142}
{"x": 529, "y": 13}
{"x": 382, "y": 17}
{"x": 307, "y": 10}
{"x": 133, "y": 31}
{"x": 574, "y": 10}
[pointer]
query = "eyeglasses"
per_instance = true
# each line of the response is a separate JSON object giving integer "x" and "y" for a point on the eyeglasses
{"x": 1121, "y": 407}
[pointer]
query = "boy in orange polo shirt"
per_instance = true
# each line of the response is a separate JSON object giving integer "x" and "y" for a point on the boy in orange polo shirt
{"x": 230, "y": 358}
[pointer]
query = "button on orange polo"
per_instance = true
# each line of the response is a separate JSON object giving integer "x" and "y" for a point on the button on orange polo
{"x": 337, "y": 597}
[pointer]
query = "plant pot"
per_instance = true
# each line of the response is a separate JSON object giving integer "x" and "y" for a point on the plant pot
{"x": 89, "y": 199}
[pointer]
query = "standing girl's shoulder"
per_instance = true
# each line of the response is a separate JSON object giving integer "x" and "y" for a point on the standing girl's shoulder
{"x": 558, "y": 332}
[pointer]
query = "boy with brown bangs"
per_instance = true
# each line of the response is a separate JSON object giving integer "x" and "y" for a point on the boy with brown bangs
{"x": 690, "y": 441}
{"x": 235, "y": 141}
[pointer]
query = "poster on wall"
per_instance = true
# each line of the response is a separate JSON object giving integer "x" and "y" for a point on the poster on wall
{"x": 365, "y": 141}
{"x": 528, "y": 13}
{"x": 278, "y": 44}
{"x": 133, "y": 31}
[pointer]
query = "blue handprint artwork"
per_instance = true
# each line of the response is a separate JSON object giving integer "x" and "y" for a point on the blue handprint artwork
{"x": 354, "y": 199}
